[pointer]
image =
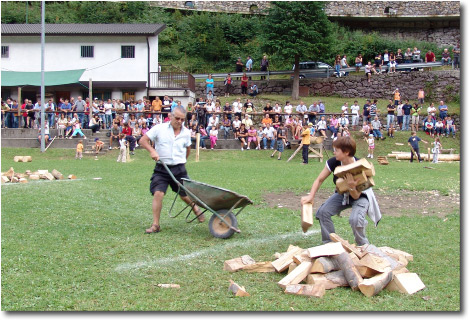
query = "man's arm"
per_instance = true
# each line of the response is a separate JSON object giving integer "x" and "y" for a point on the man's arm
{"x": 145, "y": 143}
{"x": 188, "y": 151}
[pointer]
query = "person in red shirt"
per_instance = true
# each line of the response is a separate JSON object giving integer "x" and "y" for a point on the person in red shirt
{"x": 430, "y": 57}
{"x": 127, "y": 130}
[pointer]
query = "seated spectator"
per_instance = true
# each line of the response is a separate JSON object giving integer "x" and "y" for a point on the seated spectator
{"x": 203, "y": 136}
{"x": 115, "y": 131}
{"x": 193, "y": 121}
{"x": 440, "y": 128}
{"x": 253, "y": 91}
{"x": 252, "y": 137}
{"x": 77, "y": 130}
{"x": 46, "y": 133}
{"x": 446, "y": 57}
{"x": 312, "y": 129}
{"x": 266, "y": 120}
{"x": 213, "y": 136}
{"x": 428, "y": 126}
{"x": 260, "y": 136}
{"x": 343, "y": 123}
{"x": 333, "y": 125}
{"x": 368, "y": 70}
{"x": 408, "y": 56}
{"x": 399, "y": 57}
{"x": 376, "y": 125}
{"x": 269, "y": 135}
{"x": 137, "y": 134}
{"x": 321, "y": 126}
{"x": 392, "y": 62}
{"x": 94, "y": 124}
{"x": 212, "y": 122}
{"x": 277, "y": 110}
{"x": 243, "y": 136}
{"x": 62, "y": 125}
{"x": 358, "y": 62}
{"x": 226, "y": 126}
{"x": 450, "y": 127}
{"x": 378, "y": 63}
{"x": 276, "y": 122}
{"x": 236, "y": 126}
{"x": 247, "y": 121}
{"x": 416, "y": 55}
{"x": 268, "y": 108}
{"x": 210, "y": 95}
{"x": 228, "y": 110}
{"x": 365, "y": 129}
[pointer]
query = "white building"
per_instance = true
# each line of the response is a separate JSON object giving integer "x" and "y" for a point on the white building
{"x": 120, "y": 59}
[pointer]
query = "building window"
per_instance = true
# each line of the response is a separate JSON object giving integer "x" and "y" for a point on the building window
{"x": 128, "y": 95}
{"x": 127, "y": 51}
{"x": 5, "y": 51}
{"x": 189, "y": 4}
{"x": 87, "y": 51}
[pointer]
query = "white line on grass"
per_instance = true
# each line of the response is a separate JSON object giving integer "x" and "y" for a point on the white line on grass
{"x": 227, "y": 246}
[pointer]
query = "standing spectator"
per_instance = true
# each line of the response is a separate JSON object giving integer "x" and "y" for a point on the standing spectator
{"x": 301, "y": 109}
{"x": 209, "y": 83}
{"x": 358, "y": 62}
{"x": 313, "y": 111}
{"x": 122, "y": 149}
{"x": 445, "y": 57}
{"x": 249, "y": 65}
{"x": 413, "y": 143}
{"x": 80, "y": 108}
{"x": 391, "y": 130}
{"x": 400, "y": 115}
{"x": 344, "y": 108}
{"x": 436, "y": 149}
{"x": 378, "y": 63}
{"x": 415, "y": 117}
{"x": 244, "y": 84}
{"x": 390, "y": 117}
{"x": 431, "y": 110}
{"x": 355, "y": 110}
{"x": 264, "y": 65}
{"x": 397, "y": 96}
{"x": 371, "y": 146}
{"x": 392, "y": 62}
{"x": 366, "y": 111}
{"x": 337, "y": 66}
{"x": 421, "y": 96}
{"x": 108, "y": 107}
{"x": 374, "y": 109}
{"x": 443, "y": 110}
{"x": 213, "y": 136}
{"x": 50, "y": 107}
{"x": 386, "y": 58}
{"x": 228, "y": 85}
{"x": 239, "y": 65}
{"x": 281, "y": 135}
{"x": 287, "y": 109}
{"x": 430, "y": 57}
{"x": 406, "y": 109}
{"x": 79, "y": 150}
{"x": 456, "y": 53}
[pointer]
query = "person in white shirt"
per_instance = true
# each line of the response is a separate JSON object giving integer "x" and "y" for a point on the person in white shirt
{"x": 355, "y": 109}
{"x": 268, "y": 136}
{"x": 344, "y": 108}
{"x": 288, "y": 109}
{"x": 322, "y": 126}
{"x": 237, "y": 108}
{"x": 108, "y": 113}
{"x": 301, "y": 109}
{"x": 236, "y": 125}
{"x": 247, "y": 121}
{"x": 212, "y": 122}
{"x": 172, "y": 146}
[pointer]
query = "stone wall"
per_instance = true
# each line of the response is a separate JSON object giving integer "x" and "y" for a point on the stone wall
{"x": 442, "y": 37}
{"x": 244, "y": 7}
{"x": 438, "y": 84}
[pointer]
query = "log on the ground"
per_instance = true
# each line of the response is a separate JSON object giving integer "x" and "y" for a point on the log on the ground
{"x": 423, "y": 156}
{"x": 169, "y": 285}
{"x": 328, "y": 249}
{"x": 260, "y": 267}
{"x": 297, "y": 275}
{"x": 292, "y": 267}
{"x": 342, "y": 185}
{"x": 306, "y": 216}
{"x": 57, "y": 174}
{"x": 347, "y": 246}
{"x": 395, "y": 253}
{"x": 302, "y": 256}
{"x": 374, "y": 262}
{"x": 407, "y": 283}
{"x": 47, "y": 176}
{"x": 364, "y": 271}
{"x": 329, "y": 280}
{"x": 306, "y": 290}
{"x": 372, "y": 286}
{"x": 238, "y": 290}
{"x": 23, "y": 180}
{"x": 370, "y": 248}
{"x": 350, "y": 271}
{"x": 282, "y": 263}
{"x": 27, "y": 159}
{"x": 239, "y": 263}
{"x": 5, "y": 179}
{"x": 18, "y": 158}
{"x": 324, "y": 265}
{"x": 10, "y": 173}
{"x": 39, "y": 172}
{"x": 34, "y": 177}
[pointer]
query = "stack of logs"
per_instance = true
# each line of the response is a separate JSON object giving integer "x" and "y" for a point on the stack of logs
{"x": 11, "y": 176}
{"x": 361, "y": 170}
{"x": 400, "y": 155}
{"x": 312, "y": 271}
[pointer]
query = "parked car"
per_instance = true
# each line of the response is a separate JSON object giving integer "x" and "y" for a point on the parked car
{"x": 320, "y": 67}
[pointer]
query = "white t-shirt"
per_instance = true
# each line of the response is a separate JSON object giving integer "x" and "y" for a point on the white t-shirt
{"x": 431, "y": 111}
{"x": 269, "y": 132}
{"x": 108, "y": 108}
{"x": 236, "y": 123}
{"x": 237, "y": 107}
{"x": 172, "y": 150}
{"x": 344, "y": 109}
{"x": 371, "y": 142}
{"x": 355, "y": 109}
{"x": 288, "y": 108}
{"x": 278, "y": 109}
{"x": 399, "y": 110}
{"x": 322, "y": 124}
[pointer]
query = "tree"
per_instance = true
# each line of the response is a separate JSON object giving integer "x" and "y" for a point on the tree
{"x": 294, "y": 30}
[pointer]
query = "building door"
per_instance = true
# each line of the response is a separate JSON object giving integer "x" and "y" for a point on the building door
{"x": 62, "y": 94}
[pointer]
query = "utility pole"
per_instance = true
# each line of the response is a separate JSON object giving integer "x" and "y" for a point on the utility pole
{"x": 43, "y": 40}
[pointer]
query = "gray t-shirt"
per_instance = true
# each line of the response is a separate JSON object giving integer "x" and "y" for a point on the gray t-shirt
{"x": 80, "y": 106}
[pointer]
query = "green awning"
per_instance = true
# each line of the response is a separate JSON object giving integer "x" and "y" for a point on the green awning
{"x": 51, "y": 78}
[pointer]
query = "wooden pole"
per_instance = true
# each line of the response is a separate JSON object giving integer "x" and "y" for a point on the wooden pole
{"x": 90, "y": 96}
{"x": 197, "y": 147}
{"x": 428, "y": 155}
{"x": 19, "y": 107}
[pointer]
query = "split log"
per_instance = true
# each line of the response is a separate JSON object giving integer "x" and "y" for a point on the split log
{"x": 72, "y": 177}
{"x": 10, "y": 173}
{"x": 302, "y": 256}
{"x": 347, "y": 246}
{"x": 374, "y": 262}
{"x": 370, "y": 248}
{"x": 236, "y": 264}
{"x": 238, "y": 290}
{"x": 354, "y": 168}
{"x": 395, "y": 253}
{"x": 28, "y": 172}
{"x": 18, "y": 158}
{"x": 306, "y": 216}
{"x": 407, "y": 283}
{"x": 297, "y": 275}
{"x": 34, "y": 177}
{"x": 292, "y": 267}
{"x": 328, "y": 249}
{"x": 57, "y": 174}
{"x": 324, "y": 265}
{"x": 329, "y": 280}
{"x": 342, "y": 185}
{"x": 14, "y": 180}
{"x": 5, "y": 179}
{"x": 364, "y": 271}
{"x": 39, "y": 172}
{"x": 372, "y": 286}
{"x": 259, "y": 267}
{"x": 306, "y": 290}
{"x": 23, "y": 180}
{"x": 169, "y": 285}
{"x": 423, "y": 156}
{"x": 47, "y": 176}
{"x": 282, "y": 263}
{"x": 351, "y": 273}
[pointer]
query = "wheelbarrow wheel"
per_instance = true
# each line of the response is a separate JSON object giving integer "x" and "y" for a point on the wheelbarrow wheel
{"x": 218, "y": 228}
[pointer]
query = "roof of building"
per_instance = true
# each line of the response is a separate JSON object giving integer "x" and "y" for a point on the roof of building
{"x": 83, "y": 29}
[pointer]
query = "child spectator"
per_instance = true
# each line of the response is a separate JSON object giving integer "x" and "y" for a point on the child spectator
{"x": 213, "y": 136}
{"x": 242, "y": 136}
{"x": 79, "y": 153}
{"x": 322, "y": 126}
{"x": 252, "y": 137}
{"x": 428, "y": 126}
{"x": 436, "y": 149}
{"x": 450, "y": 127}
{"x": 440, "y": 128}
{"x": 400, "y": 114}
{"x": 98, "y": 145}
{"x": 365, "y": 129}
{"x": 236, "y": 126}
{"x": 77, "y": 130}
{"x": 421, "y": 96}
{"x": 260, "y": 136}
{"x": 415, "y": 117}
{"x": 371, "y": 146}
{"x": 312, "y": 129}
{"x": 281, "y": 134}
{"x": 123, "y": 149}
{"x": 305, "y": 141}
{"x": 413, "y": 142}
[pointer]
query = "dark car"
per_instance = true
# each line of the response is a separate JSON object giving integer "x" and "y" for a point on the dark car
{"x": 318, "y": 70}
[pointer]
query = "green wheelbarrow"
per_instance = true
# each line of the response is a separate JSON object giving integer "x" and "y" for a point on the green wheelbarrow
{"x": 222, "y": 203}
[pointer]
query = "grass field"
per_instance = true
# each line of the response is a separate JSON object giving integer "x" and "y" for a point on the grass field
{"x": 80, "y": 244}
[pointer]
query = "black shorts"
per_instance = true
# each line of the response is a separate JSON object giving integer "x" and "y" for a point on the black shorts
{"x": 161, "y": 178}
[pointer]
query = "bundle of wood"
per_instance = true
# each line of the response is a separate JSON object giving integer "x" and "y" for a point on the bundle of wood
{"x": 312, "y": 271}
{"x": 361, "y": 170}
{"x": 15, "y": 177}
{"x": 383, "y": 160}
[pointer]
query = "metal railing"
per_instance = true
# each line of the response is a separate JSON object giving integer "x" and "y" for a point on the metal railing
{"x": 172, "y": 80}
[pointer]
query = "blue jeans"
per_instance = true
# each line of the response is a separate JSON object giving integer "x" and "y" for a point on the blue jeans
{"x": 226, "y": 131}
{"x": 272, "y": 142}
{"x": 81, "y": 116}
{"x": 390, "y": 119}
{"x": 450, "y": 130}
{"x": 15, "y": 122}
{"x": 405, "y": 125}
{"x": 377, "y": 133}
{"x": 108, "y": 121}
{"x": 51, "y": 117}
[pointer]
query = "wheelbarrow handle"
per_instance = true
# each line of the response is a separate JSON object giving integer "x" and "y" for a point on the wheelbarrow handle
{"x": 169, "y": 172}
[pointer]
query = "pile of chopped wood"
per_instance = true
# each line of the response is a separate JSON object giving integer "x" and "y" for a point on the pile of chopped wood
{"x": 312, "y": 271}
{"x": 383, "y": 160}
{"x": 16, "y": 177}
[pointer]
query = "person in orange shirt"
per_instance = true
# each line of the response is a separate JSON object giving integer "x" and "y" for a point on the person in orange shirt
{"x": 305, "y": 141}
{"x": 421, "y": 96}
{"x": 156, "y": 105}
{"x": 266, "y": 120}
{"x": 79, "y": 153}
{"x": 397, "y": 96}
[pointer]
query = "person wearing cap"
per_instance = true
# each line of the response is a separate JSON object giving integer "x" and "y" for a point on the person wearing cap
{"x": 305, "y": 141}
{"x": 98, "y": 145}
{"x": 247, "y": 121}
